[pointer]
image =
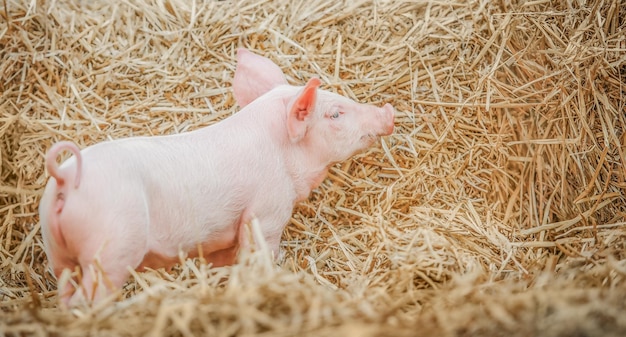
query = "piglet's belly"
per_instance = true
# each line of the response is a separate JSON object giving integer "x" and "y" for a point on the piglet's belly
{"x": 221, "y": 255}
{"x": 219, "y": 249}
{"x": 154, "y": 260}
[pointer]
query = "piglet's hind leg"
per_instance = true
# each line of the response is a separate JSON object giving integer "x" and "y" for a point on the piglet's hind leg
{"x": 96, "y": 284}
{"x": 103, "y": 275}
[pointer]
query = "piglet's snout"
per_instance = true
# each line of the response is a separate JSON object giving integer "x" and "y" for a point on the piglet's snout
{"x": 386, "y": 114}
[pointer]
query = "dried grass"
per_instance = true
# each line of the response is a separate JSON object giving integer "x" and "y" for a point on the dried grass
{"x": 496, "y": 208}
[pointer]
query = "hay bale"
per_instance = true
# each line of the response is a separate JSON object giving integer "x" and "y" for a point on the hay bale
{"x": 496, "y": 208}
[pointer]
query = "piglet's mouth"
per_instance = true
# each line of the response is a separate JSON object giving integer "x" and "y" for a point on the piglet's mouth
{"x": 370, "y": 138}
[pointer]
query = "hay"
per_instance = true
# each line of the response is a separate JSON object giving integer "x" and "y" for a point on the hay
{"x": 496, "y": 208}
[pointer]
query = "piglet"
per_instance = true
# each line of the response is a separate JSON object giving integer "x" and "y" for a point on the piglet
{"x": 138, "y": 202}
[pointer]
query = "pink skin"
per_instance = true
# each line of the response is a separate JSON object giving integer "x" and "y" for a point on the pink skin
{"x": 137, "y": 202}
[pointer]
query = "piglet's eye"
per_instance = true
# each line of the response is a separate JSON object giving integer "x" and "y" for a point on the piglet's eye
{"x": 335, "y": 115}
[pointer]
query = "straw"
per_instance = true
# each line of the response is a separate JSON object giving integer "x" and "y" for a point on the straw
{"x": 497, "y": 207}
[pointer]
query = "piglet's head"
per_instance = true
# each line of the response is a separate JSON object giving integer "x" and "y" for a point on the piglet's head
{"x": 334, "y": 127}
{"x": 331, "y": 127}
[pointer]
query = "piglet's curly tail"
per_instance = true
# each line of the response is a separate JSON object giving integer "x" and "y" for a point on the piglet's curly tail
{"x": 53, "y": 167}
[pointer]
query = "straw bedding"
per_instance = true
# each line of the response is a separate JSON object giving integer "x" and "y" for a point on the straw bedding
{"x": 496, "y": 207}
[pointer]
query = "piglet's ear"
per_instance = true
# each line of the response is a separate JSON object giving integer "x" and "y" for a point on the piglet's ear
{"x": 301, "y": 108}
{"x": 255, "y": 75}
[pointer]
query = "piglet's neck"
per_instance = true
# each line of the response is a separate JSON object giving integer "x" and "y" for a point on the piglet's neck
{"x": 305, "y": 168}
{"x": 305, "y": 179}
